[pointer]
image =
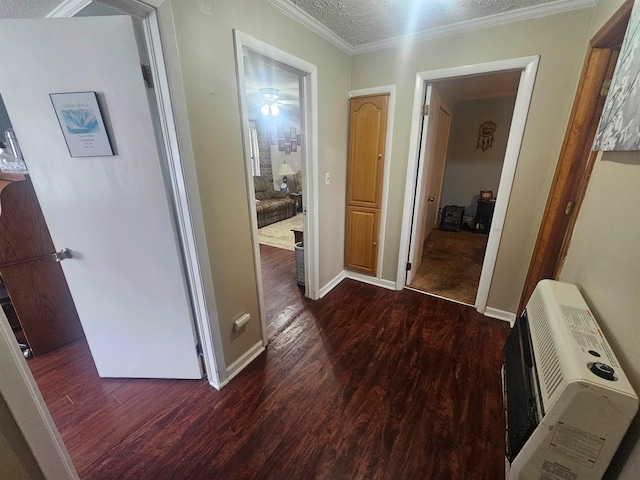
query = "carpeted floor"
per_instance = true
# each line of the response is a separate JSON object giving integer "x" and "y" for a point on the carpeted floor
{"x": 279, "y": 234}
{"x": 451, "y": 265}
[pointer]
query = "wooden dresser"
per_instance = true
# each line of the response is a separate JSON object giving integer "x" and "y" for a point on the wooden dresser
{"x": 34, "y": 280}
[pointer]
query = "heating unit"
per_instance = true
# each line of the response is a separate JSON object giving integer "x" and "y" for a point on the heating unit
{"x": 567, "y": 400}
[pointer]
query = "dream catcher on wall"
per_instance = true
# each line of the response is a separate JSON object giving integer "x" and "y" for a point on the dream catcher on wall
{"x": 485, "y": 135}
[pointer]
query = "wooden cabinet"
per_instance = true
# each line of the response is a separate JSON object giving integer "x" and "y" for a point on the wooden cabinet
{"x": 34, "y": 280}
{"x": 367, "y": 142}
{"x": 362, "y": 239}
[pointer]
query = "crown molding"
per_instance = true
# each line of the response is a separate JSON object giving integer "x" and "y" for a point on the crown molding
{"x": 499, "y": 19}
{"x": 68, "y": 8}
{"x": 312, "y": 24}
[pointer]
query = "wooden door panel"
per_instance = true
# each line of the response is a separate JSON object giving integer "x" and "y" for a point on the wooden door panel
{"x": 23, "y": 231}
{"x": 362, "y": 234}
{"x": 41, "y": 299}
{"x": 367, "y": 141}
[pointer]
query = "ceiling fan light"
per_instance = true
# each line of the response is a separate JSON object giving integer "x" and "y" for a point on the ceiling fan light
{"x": 264, "y": 109}
{"x": 274, "y": 110}
{"x": 269, "y": 94}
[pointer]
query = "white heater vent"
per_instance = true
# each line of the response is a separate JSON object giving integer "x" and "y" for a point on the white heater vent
{"x": 568, "y": 403}
{"x": 548, "y": 365}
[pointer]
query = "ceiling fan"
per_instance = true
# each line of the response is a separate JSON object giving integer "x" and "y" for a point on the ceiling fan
{"x": 270, "y": 101}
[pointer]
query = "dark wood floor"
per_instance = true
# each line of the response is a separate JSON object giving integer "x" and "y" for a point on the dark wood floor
{"x": 283, "y": 296}
{"x": 366, "y": 383}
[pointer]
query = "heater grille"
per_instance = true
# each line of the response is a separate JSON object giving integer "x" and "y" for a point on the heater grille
{"x": 548, "y": 365}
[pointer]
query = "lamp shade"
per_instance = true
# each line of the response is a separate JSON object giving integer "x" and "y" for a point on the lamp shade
{"x": 285, "y": 169}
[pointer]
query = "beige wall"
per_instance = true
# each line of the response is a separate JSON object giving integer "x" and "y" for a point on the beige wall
{"x": 560, "y": 40}
{"x": 16, "y": 459}
{"x": 206, "y": 50}
{"x": 469, "y": 169}
{"x": 604, "y": 263}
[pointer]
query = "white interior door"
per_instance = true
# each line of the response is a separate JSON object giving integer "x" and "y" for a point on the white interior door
{"x": 113, "y": 212}
{"x": 425, "y": 168}
{"x": 439, "y": 160}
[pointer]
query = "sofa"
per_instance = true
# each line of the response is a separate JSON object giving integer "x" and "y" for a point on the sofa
{"x": 272, "y": 206}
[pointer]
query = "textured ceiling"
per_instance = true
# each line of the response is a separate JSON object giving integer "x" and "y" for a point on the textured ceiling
{"x": 359, "y": 22}
{"x": 27, "y": 8}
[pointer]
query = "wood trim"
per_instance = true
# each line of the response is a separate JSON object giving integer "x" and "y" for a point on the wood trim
{"x": 576, "y": 158}
{"x": 612, "y": 33}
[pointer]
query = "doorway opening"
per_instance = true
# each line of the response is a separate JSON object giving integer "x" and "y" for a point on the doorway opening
{"x": 278, "y": 99}
{"x": 472, "y": 119}
{"x": 273, "y": 92}
{"x": 424, "y": 175}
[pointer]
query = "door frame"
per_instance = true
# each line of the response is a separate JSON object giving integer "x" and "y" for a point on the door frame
{"x": 576, "y": 158}
{"x": 309, "y": 163}
{"x": 529, "y": 67}
{"x": 17, "y": 385}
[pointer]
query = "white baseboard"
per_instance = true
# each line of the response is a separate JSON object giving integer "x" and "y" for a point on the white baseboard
{"x": 500, "y": 315}
{"x": 332, "y": 284}
{"x": 378, "y": 282}
{"x": 236, "y": 367}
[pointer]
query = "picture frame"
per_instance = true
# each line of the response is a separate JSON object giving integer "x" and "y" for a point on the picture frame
{"x": 486, "y": 194}
{"x": 293, "y": 132}
{"x": 294, "y": 146}
{"x": 82, "y": 125}
{"x": 287, "y": 149}
{"x": 281, "y": 144}
{"x": 299, "y": 139}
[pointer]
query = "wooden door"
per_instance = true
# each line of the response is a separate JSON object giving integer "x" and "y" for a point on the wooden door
{"x": 367, "y": 142}
{"x": 422, "y": 219}
{"x": 576, "y": 158}
{"x": 439, "y": 158}
{"x": 35, "y": 282}
{"x": 113, "y": 212}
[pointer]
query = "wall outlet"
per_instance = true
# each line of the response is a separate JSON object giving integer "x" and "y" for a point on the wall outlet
{"x": 327, "y": 178}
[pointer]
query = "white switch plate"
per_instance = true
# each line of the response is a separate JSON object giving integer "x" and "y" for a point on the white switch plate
{"x": 327, "y": 178}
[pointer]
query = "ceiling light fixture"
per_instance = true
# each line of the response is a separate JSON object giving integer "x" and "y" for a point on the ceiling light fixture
{"x": 269, "y": 101}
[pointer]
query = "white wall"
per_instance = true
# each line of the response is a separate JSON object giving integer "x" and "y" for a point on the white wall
{"x": 208, "y": 71}
{"x": 603, "y": 261}
{"x": 469, "y": 169}
{"x": 560, "y": 41}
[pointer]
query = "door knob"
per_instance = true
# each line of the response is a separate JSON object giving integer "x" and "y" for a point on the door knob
{"x": 432, "y": 199}
{"x": 62, "y": 255}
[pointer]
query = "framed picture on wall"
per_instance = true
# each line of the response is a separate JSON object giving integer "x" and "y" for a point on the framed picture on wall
{"x": 287, "y": 149}
{"x": 82, "y": 124}
{"x": 294, "y": 146}
{"x": 299, "y": 139}
{"x": 281, "y": 144}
